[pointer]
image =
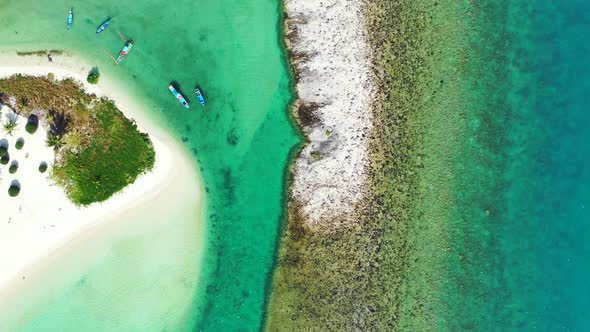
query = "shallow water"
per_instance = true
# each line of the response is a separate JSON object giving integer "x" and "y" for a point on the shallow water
{"x": 519, "y": 257}
{"x": 241, "y": 140}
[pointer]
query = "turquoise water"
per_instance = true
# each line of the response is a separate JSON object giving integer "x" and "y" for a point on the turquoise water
{"x": 521, "y": 250}
{"x": 240, "y": 141}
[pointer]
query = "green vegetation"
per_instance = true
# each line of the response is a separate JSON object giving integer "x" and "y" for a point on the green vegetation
{"x": 13, "y": 167}
{"x": 13, "y": 190}
{"x": 32, "y": 124}
{"x": 93, "y": 77}
{"x": 3, "y": 151}
{"x": 115, "y": 156}
{"x": 43, "y": 167}
{"x": 4, "y": 159}
{"x": 9, "y": 125}
{"x": 98, "y": 150}
{"x": 59, "y": 125}
{"x": 19, "y": 143}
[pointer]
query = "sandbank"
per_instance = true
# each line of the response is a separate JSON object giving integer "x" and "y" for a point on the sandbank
{"x": 330, "y": 54}
{"x": 41, "y": 224}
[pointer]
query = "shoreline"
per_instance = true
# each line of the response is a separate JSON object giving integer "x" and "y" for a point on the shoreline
{"x": 320, "y": 223}
{"x": 386, "y": 270}
{"x": 173, "y": 168}
{"x": 330, "y": 60}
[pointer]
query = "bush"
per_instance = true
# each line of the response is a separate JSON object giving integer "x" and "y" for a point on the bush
{"x": 31, "y": 128}
{"x": 3, "y": 151}
{"x": 5, "y": 159}
{"x": 43, "y": 167}
{"x": 13, "y": 168}
{"x": 19, "y": 143}
{"x": 117, "y": 154}
{"x": 93, "y": 77}
{"x": 14, "y": 190}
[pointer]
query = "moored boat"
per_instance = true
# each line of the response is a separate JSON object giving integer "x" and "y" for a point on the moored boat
{"x": 178, "y": 96}
{"x": 126, "y": 49}
{"x": 200, "y": 96}
{"x": 104, "y": 25}
{"x": 70, "y": 19}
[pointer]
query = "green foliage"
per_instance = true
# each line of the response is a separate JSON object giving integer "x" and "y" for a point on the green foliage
{"x": 13, "y": 190}
{"x": 56, "y": 142}
{"x": 98, "y": 150}
{"x": 19, "y": 143}
{"x": 3, "y": 151}
{"x": 43, "y": 167}
{"x": 5, "y": 159}
{"x": 9, "y": 126}
{"x": 13, "y": 168}
{"x": 117, "y": 154}
{"x": 93, "y": 77}
{"x": 32, "y": 124}
{"x": 31, "y": 128}
{"x": 45, "y": 94}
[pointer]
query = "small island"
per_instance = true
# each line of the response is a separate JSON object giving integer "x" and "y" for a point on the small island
{"x": 97, "y": 150}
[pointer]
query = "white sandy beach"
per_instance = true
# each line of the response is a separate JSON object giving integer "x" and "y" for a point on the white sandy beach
{"x": 334, "y": 73}
{"x": 41, "y": 223}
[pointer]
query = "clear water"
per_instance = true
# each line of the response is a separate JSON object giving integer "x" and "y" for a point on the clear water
{"x": 241, "y": 140}
{"x": 519, "y": 260}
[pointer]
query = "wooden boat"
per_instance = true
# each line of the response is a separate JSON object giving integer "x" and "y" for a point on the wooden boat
{"x": 104, "y": 25}
{"x": 200, "y": 96}
{"x": 70, "y": 19}
{"x": 178, "y": 96}
{"x": 124, "y": 52}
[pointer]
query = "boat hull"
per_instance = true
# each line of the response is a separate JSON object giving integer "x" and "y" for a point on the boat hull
{"x": 200, "y": 97}
{"x": 103, "y": 26}
{"x": 178, "y": 96}
{"x": 70, "y": 20}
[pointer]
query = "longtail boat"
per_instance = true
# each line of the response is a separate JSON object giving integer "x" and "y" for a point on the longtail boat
{"x": 200, "y": 96}
{"x": 124, "y": 52}
{"x": 104, "y": 25}
{"x": 70, "y": 19}
{"x": 178, "y": 96}
{"x": 126, "y": 49}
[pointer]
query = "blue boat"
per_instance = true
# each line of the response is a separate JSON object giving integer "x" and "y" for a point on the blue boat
{"x": 104, "y": 25}
{"x": 178, "y": 96}
{"x": 70, "y": 19}
{"x": 200, "y": 96}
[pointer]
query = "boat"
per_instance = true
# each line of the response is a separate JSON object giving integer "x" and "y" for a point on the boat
{"x": 126, "y": 49}
{"x": 104, "y": 25}
{"x": 178, "y": 96}
{"x": 70, "y": 19}
{"x": 200, "y": 96}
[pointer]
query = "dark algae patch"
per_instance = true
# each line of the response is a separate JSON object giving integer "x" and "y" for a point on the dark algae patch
{"x": 98, "y": 150}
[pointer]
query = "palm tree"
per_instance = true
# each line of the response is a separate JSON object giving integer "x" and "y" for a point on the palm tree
{"x": 60, "y": 122}
{"x": 55, "y": 141}
{"x": 10, "y": 123}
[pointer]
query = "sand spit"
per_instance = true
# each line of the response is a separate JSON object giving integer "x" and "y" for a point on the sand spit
{"x": 41, "y": 222}
{"x": 328, "y": 48}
